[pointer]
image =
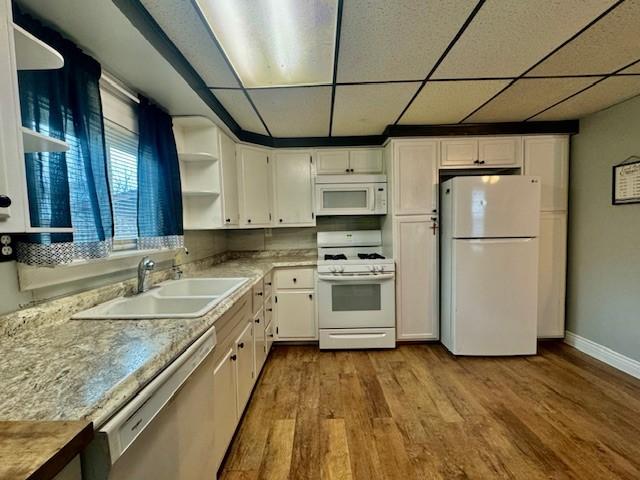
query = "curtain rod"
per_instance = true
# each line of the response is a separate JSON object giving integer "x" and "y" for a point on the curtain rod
{"x": 119, "y": 87}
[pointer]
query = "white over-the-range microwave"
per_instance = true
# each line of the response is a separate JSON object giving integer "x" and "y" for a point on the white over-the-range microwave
{"x": 351, "y": 194}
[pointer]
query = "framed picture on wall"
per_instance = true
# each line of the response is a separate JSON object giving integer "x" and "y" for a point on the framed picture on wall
{"x": 626, "y": 182}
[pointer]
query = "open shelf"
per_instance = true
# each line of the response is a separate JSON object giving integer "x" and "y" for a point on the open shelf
{"x": 37, "y": 142}
{"x": 34, "y": 54}
{"x": 197, "y": 157}
{"x": 200, "y": 193}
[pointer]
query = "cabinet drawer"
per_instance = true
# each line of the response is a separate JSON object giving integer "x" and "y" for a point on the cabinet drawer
{"x": 295, "y": 278}
{"x": 258, "y": 296}
{"x": 268, "y": 284}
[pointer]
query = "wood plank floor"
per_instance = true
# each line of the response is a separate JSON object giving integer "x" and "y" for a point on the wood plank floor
{"x": 419, "y": 413}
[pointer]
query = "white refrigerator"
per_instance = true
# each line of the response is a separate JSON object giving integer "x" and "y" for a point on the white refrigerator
{"x": 489, "y": 272}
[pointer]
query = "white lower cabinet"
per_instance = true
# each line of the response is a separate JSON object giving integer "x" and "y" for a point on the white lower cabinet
{"x": 296, "y": 315}
{"x": 552, "y": 274}
{"x": 244, "y": 365}
{"x": 416, "y": 255}
{"x": 225, "y": 406}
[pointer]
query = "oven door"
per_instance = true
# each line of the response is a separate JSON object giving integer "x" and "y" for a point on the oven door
{"x": 356, "y": 301}
{"x": 345, "y": 199}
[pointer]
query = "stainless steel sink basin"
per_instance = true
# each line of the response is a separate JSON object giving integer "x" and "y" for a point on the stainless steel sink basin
{"x": 185, "y": 298}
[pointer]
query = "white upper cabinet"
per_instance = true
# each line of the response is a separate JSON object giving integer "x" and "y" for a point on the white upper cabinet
{"x": 415, "y": 177}
{"x": 481, "y": 152}
{"x": 365, "y": 160}
{"x": 345, "y": 161}
{"x": 459, "y": 152}
{"x": 548, "y": 158}
{"x": 254, "y": 187}
{"x": 229, "y": 171}
{"x": 293, "y": 189}
{"x": 332, "y": 162}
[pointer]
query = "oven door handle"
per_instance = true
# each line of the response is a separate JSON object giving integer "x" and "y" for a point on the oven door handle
{"x": 355, "y": 278}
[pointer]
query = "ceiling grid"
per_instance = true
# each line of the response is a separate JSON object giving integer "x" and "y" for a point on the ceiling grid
{"x": 475, "y": 56}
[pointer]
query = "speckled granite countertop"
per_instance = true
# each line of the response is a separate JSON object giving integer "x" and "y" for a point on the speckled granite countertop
{"x": 63, "y": 369}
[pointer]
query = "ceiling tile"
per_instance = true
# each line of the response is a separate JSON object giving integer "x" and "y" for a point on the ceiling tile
{"x": 635, "y": 68}
{"x": 182, "y": 24}
{"x": 383, "y": 40}
{"x": 450, "y": 102}
{"x": 240, "y": 109}
{"x": 529, "y": 96}
{"x": 507, "y": 37}
{"x": 294, "y": 112}
{"x": 610, "y": 44}
{"x": 368, "y": 109}
{"x": 606, "y": 93}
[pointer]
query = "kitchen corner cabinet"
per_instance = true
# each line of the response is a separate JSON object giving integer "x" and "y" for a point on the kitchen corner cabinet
{"x": 415, "y": 240}
{"x": 295, "y": 304}
{"x": 481, "y": 152}
{"x": 552, "y": 274}
{"x": 414, "y": 173}
{"x": 345, "y": 161}
{"x": 293, "y": 189}
{"x": 254, "y": 187}
{"x": 548, "y": 158}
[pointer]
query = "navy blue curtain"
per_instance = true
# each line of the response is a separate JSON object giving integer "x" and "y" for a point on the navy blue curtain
{"x": 159, "y": 190}
{"x": 67, "y": 189}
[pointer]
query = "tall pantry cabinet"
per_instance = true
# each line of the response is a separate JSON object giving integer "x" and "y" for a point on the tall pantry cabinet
{"x": 411, "y": 226}
{"x": 548, "y": 158}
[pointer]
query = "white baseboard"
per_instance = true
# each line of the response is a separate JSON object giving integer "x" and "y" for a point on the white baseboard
{"x": 604, "y": 354}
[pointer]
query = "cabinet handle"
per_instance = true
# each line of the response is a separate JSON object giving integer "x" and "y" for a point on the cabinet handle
{"x": 280, "y": 220}
{"x": 228, "y": 220}
{"x": 347, "y": 170}
{"x": 476, "y": 162}
{"x": 241, "y": 345}
{"x": 5, "y": 201}
{"x": 351, "y": 170}
{"x": 269, "y": 309}
{"x": 310, "y": 296}
{"x": 233, "y": 357}
{"x": 271, "y": 335}
{"x": 269, "y": 283}
{"x": 257, "y": 320}
{"x": 248, "y": 220}
{"x": 481, "y": 162}
{"x": 259, "y": 294}
{"x": 295, "y": 280}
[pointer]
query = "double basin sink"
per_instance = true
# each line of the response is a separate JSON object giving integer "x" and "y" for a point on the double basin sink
{"x": 184, "y": 298}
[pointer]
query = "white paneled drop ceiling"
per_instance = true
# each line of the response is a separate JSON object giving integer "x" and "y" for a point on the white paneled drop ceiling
{"x": 322, "y": 68}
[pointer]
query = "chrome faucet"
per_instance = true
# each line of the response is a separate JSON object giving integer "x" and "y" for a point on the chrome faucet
{"x": 145, "y": 267}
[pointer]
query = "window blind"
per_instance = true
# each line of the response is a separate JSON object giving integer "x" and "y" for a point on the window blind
{"x": 122, "y": 156}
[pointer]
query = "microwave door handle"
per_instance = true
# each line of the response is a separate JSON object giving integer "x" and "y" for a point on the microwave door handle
{"x": 372, "y": 197}
{"x": 356, "y": 278}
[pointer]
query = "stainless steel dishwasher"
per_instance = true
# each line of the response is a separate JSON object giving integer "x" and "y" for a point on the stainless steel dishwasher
{"x": 166, "y": 431}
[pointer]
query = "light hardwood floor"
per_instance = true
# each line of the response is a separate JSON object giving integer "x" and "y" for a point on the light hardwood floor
{"x": 419, "y": 413}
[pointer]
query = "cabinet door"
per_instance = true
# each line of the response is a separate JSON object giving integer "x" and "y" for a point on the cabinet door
{"x": 505, "y": 151}
{"x": 296, "y": 315}
{"x": 197, "y": 423}
{"x": 548, "y": 158}
{"x": 224, "y": 404}
{"x": 293, "y": 189}
{"x": 244, "y": 365}
{"x": 415, "y": 177}
{"x": 459, "y": 152}
{"x": 229, "y": 171}
{"x": 366, "y": 160}
{"x": 332, "y": 162}
{"x": 259, "y": 341}
{"x": 416, "y": 257}
{"x": 13, "y": 186}
{"x": 254, "y": 184}
{"x": 552, "y": 274}
{"x": 268, "y": 335}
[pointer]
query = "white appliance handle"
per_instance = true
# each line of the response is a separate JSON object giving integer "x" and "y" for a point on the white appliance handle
{"x": 500, "y": 240}
{"x": 355, "y": 278}
{"x": 358, "y": 335}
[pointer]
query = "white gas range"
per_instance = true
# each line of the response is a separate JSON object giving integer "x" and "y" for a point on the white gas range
{"x": 356, "y": 291}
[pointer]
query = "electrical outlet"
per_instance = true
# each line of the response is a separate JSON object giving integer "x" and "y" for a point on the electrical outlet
{"x": 7, "y": 252}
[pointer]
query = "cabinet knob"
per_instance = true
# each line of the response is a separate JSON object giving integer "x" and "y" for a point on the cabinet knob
{"x": 5, "y": 201}
{"x": 346, "y": 170}
{"x": 259, "y": 294}
{"x": 476, "y": 162}
{"x": 481, "y": 162}
{"x": 241, "y": 345}
{"x": 257, "y": 320}
{"x": 351, "y": 170}
{"x": 280, "y": 220}
{"x": 295, "y": 280}
{"x": 233, "y": 357}
{"x": 310, "y": 296}
{"x": 269, "y": 309}
{"x": 228, "y": 220}
{"x": 271, "y": 335}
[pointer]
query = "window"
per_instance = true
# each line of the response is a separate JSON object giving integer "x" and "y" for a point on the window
{"x": 122, "y": 161}
{"x": 121, "y": 142}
